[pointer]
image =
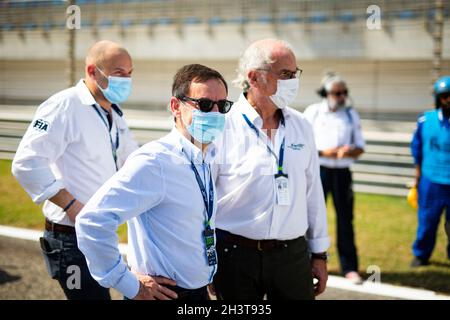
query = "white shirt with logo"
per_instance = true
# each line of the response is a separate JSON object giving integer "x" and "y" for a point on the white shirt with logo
{"x": 245, "y": 182}
{"x": 334, "y": 129}
{"x": 68, "y": 145}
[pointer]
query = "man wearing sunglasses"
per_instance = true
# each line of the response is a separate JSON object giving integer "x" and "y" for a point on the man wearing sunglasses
{"x": 166, "y": 193}
{"x": 339, "y": 140}
{"x": 431, "y": 151}
{"x": 271, "y": 219}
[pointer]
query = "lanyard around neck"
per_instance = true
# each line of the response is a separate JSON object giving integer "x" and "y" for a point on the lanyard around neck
{"x": 115, "y": 146}
{"x": 208, "y": 201}
{"x": 281, "y": 158}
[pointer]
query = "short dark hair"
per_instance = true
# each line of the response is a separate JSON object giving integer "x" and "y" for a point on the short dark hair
{"x": 193, "y": 73}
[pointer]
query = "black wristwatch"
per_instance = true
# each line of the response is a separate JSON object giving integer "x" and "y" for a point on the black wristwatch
{"x": 319, "y": 256}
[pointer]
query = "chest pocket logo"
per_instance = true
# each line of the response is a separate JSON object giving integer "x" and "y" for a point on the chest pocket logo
{"x": 296, "y": 146}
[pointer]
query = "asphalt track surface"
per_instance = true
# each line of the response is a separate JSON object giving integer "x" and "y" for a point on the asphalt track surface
{"x": 23, "y": 276}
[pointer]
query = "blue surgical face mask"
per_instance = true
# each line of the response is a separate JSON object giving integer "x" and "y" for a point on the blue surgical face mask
{"x": 206, "y": 126}
{"x": 118, "y": 89}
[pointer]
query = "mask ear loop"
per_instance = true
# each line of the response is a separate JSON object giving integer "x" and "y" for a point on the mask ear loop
{"x": 184, "y": 123}
{"x": 104, "y": 75}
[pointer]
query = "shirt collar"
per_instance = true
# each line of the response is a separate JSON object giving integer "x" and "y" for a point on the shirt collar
{"x": 88, "y": 99}
{"x": 84, "y": 94}
{"x": 324, "y": 106}
{"x": 187, "y": 148}
{"x": 441, "y": 117}
{"x": 246, "y": 108}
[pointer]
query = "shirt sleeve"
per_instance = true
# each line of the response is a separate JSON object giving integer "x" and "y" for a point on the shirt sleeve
{"x": 416, "y": 143}
{"x": 136, "y": 188}
{"x": 359, "y": 139}
{"x": 43, "y": 143}
{"x": 317, "y": 234}
{"x": 308, "y": 114}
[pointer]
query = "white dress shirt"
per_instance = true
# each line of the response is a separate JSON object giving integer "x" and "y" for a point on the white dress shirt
{"x": 334, "y": 129}
{"x": 157, "y": 193}
{"x": 245, "y": 181}
{"x": 68, "y": 145}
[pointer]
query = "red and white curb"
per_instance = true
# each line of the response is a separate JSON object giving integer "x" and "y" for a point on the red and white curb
{"x": 380, "y": 289}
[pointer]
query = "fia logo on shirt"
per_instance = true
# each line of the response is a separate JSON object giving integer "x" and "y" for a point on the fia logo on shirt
{"x": 296, "y": 146}
{"x": 41, "y": 125}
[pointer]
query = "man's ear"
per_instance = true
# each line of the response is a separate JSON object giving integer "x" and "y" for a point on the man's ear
{"x": 253, "y": 79}
{"x": 91, "y": 71}
{"x": 175, "y": 107}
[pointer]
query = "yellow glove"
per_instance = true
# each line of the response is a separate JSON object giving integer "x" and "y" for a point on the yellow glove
{"x": 412, "y": 197}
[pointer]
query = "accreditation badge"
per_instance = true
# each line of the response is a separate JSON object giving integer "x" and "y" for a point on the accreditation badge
{"x": 282, "y": 186}
{"x": 211, "y": 255}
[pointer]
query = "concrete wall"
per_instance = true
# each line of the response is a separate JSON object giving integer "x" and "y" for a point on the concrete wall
{"x": 386, "y": 71}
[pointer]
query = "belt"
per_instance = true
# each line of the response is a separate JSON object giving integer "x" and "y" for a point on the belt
{"x": 260, "y": 245}
{"x": 60, "y": 228}
{"x": 183, "y": 293}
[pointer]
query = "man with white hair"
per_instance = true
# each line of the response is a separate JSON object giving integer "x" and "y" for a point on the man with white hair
{"x": 271, "y": 217}
{"x": 339, "y": 139}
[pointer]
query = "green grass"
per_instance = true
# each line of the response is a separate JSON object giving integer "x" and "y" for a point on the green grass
{"x": 385, "y": 227}
{"x": 16, "y": 207}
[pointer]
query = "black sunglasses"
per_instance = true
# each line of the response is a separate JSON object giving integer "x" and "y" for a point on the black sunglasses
{"x": 206, "y": 105}
{"x": 444, "y": 95}
{"x": 339, "y": 93}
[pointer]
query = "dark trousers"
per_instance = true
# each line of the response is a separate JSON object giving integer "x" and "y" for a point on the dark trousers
{"x": 66, "y": 263}
{"x": 200, "y": 294}
{"x": 248, "y": 273}
{"x": 338, "y": 182}
{"x": 434, "y": 199}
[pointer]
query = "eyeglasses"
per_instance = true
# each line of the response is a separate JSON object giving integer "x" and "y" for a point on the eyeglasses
{"x": 286, "y": 74}
{"x": 206, "y": 105}
{"x": 444, "y": 95}
{"x": 339, "y": 93}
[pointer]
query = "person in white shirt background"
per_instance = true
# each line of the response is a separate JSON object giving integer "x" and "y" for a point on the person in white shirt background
{"x": 76, "y": 141}
{"x": 339, "y": 139}
{"x": 271, "y": 212}
{"x": 166, "y": 193}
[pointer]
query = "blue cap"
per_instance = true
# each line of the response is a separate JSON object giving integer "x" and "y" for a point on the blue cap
{"x": 442, "y": 85}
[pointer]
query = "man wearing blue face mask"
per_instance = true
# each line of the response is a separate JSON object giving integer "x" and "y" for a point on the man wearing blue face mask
{"x": 77, "y": 140}
{"x": 166, "y": 193}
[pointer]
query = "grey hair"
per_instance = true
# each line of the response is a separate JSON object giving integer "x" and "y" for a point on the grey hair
{"x": 256, "y": 56}
{"x": 331, "y": 78}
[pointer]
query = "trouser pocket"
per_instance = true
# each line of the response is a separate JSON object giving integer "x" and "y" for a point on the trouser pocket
{"x": 52, "y": 251}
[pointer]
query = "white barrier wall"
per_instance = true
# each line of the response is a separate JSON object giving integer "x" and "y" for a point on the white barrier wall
{"x": 386, "y": 72}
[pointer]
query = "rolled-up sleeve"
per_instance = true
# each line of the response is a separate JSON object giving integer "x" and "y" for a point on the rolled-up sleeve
{"x": 43, "y": 143}
{"x": 134, "y": 189}
{"x": 317, "y": 234}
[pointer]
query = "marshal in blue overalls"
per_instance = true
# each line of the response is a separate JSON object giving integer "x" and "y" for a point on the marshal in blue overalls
{"x": 431, "y": 151}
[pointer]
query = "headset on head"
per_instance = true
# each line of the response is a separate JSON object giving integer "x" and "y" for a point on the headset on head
{"x": 322, "y": 91}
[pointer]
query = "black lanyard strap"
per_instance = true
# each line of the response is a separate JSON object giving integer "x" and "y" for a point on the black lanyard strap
{"x": 114, "y": 147}
{"x": 278, "y": 159}
{"x": 208, "y": 201}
